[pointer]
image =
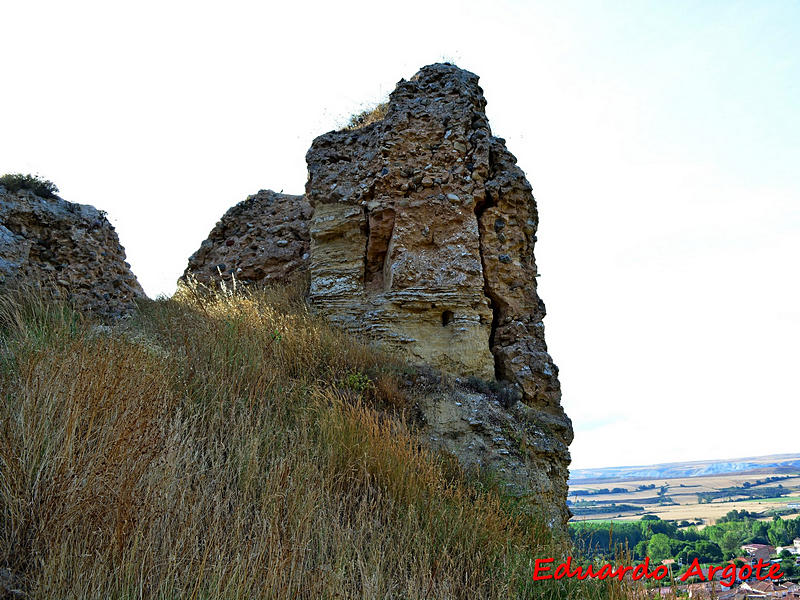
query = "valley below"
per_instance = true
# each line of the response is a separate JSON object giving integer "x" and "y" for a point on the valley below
{"x": 697, "y": 492}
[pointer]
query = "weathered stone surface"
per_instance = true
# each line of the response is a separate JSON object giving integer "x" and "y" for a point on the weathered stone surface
{"x": 486, "y": 432}
{"x": 395, "y": 244}
{"x": 263, "y": 238}
{"x": 69, "y": 248}
{"x": 422, "y": 237}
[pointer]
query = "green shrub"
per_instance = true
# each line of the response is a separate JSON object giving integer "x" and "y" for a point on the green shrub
{"x": 358, "y": 382}
{"x": 14, "y": 182}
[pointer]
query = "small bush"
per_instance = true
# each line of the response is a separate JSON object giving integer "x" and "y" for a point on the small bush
{"x": 358, "y": 382}
{"x": 14, "y": 182}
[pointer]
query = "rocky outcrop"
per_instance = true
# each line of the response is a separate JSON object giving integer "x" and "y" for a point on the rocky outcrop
{"x": 262, "y": 239}
{"x": 70, "y": 249}
{"x": 422, "y": 238}
{"x": 418, "y": 230}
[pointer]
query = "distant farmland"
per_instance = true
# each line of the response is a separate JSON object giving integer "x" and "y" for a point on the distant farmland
{"x": 766, "y": 489}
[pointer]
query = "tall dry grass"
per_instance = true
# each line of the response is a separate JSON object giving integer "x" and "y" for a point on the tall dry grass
{"x": 217, "y": 447}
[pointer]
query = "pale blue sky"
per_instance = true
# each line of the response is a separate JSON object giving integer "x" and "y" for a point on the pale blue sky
{"x": 661, "y": 138}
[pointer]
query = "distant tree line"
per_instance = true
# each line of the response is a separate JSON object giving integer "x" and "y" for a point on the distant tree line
{"x": 598, "y": 492}
{"x": 583, "y": 509}
{"x": 738, "y": 492}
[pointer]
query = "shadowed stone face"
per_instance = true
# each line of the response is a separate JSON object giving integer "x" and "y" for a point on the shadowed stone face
{"x": 260, "y": 240}
{"x": 70, "y": 249}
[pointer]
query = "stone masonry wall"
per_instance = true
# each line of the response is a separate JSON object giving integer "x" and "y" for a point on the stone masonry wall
{"x": 262, "y": 239}
{"x": 69, "y": 248}
{"x": 422, "y": 238}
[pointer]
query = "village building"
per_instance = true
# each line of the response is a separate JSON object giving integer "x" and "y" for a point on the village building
{"x": 792, "y": 549}
{"x": 759, "y": 551}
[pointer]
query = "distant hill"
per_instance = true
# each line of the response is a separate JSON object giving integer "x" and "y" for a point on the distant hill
{"x": 775, "y": 463}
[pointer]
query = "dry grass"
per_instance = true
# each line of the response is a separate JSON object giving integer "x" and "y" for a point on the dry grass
{"x": 217, "y": 448}
{"x": 368, "y": 116}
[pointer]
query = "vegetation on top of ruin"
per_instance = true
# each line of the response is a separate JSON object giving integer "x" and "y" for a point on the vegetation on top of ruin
{"x": 14, "y": 182}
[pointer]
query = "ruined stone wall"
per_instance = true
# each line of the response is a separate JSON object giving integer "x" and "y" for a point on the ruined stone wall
{"x": 422, "y": 238}
{"x": 394, "y": 237}
{"x": 418, "y": 230}
{"x": 69, "y": 248}
{"x": 262, "y": 239}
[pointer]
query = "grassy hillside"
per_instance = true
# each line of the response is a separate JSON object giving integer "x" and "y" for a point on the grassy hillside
{"x": 233, "y": 446}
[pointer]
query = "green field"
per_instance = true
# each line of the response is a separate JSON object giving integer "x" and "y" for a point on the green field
{"x": 779, "y": 499}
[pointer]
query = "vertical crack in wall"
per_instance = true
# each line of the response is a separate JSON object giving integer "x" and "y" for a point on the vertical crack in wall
{"x": 480, "y": 208}
{"x": 365, "y": 229}
{"x": 380, "y": 225}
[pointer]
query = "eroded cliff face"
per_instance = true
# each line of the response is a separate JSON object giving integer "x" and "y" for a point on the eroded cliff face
{"x": 260, "y": 240}
{"x": 422, "y": 238}
{"x": 70, "y": 249}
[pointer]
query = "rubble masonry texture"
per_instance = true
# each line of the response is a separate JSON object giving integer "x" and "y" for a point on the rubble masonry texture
{"x": 69, "y": 248}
